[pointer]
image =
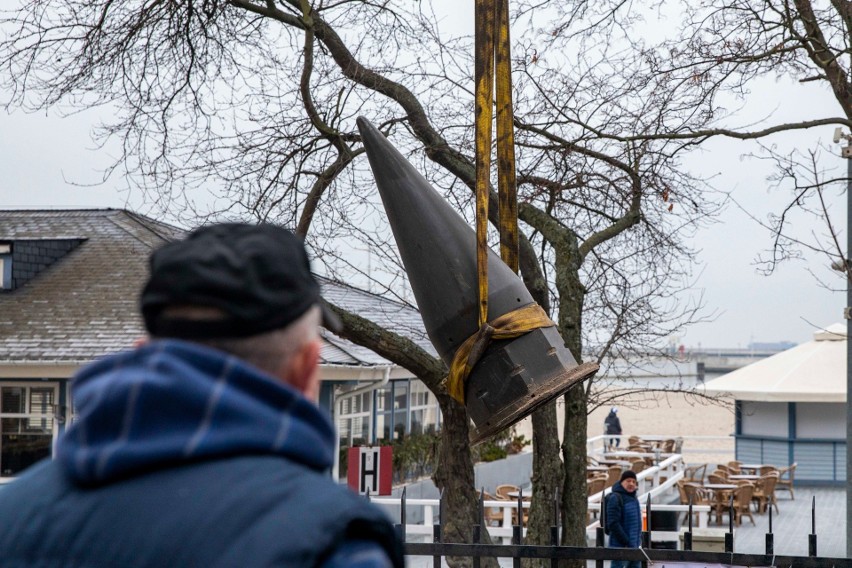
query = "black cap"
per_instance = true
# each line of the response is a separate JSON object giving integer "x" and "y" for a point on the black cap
{"x": 629, "y": 474}
{"x": 259, "y": 276}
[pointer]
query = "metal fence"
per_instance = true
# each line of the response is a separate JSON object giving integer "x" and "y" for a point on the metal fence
{"x": 646, "y": 554}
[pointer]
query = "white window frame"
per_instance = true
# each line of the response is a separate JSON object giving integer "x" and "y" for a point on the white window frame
{"x": 51, "y": 413}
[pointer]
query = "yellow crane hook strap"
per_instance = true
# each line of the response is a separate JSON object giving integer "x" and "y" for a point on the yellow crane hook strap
{"x": 492, "y": 49}
{"x": 506, "y": 183}
{"x": 508, "y": 326}
{"x": 485, "y": 16}
{"x": 492, "y": 43}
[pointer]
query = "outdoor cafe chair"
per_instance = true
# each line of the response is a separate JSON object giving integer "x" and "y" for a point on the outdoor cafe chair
{"x": 613, "y": 475}
{"x": 699, "y": 496}
{"x": 493, "y": 516}
{"x": 716, "y": 478}
{"x": 596, "y": 484}
{"x": 785, "y": 479}
{"x": 764, "y": 492}
{"x": 742, "y": 503}
{"x": 695, "y": 473}
{"x": 503, "y": 491}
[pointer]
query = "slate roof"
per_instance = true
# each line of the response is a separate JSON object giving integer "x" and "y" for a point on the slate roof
{"x": 85, "y": 304}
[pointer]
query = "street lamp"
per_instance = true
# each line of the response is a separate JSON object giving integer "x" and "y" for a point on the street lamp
{"x": 846, "y": 152}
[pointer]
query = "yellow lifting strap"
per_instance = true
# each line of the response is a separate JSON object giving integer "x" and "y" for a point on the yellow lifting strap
{"x": 492, "y": 44}
{"x": 507, "y": 326}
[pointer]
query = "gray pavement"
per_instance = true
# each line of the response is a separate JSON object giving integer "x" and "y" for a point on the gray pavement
{"x": 792, "y": 525}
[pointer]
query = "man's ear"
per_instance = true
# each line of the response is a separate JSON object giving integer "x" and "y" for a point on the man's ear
{"x": 302, "y": 372}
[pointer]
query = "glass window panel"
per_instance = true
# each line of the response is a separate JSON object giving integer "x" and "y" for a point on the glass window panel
{"x": 12, "y": 400}
{"x": 383, "y": 399}
{"x": 18, "y": 452}
{"x": 416, "y": 422}
{"x": 383, "y": 426}
{"x": 400, "y": 395}
{"x": 41, "y": 400}
{"x": 359, "y": 431}
{"x": 39, "y": 425}
{"x": 343, "y": 430}
{"x": 11, "y": 425}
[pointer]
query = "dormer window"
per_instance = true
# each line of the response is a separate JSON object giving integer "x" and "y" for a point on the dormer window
{"x": 5, "y": 266}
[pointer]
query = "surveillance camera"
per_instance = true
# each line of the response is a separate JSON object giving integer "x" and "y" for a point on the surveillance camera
{"x": 838, "y": 134}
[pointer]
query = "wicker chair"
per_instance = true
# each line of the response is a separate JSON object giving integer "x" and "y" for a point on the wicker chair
{"x": 734, "y": 466}
{"x": 716, "y": 478}
{"x": 638, "y": 465}
{"x": 767, "y": 469}
{"x": 764, "y": 492}
{"x": 503, "y": 491}
{"x": 695, "y": 473}
{"x": 742, "y": 503}
{"x": 493, "y": 516}
{"x": 613, "y": 475}
{"x": 698, "y": 494}
{"x": 786, "y": 483}
{"x": 596, "y": 484}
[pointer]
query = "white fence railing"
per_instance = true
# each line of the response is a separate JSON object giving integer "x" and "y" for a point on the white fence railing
{"x": 658, "y": 482}
{"x": 703, "y": 445}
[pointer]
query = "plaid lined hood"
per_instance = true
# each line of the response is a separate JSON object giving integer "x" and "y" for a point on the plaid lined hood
{"x": 172, "y": 401}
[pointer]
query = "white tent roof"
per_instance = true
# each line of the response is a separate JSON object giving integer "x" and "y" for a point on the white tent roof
{"x": 811, "y": 372}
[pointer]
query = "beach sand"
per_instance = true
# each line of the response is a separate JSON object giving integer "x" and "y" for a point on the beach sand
{"x": 669, "y": 415}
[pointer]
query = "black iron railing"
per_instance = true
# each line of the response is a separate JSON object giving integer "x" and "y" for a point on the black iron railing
{"x": 476, "y": 550}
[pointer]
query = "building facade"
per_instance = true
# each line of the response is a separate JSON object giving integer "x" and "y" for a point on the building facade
{"x": 69, "y": 288}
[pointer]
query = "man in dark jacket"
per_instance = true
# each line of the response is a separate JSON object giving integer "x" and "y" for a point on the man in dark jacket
{"x": 624, "y": 518}
{"x": 612, "y": 427}
{"x": 203, "y": 447}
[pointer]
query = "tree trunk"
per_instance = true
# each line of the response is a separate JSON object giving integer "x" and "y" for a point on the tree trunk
{"x": 574, "y": 495}
{"x": 546, "y": 478}
{"x": 454, "y": 478}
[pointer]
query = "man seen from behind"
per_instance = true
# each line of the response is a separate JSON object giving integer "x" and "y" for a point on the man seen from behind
{"x": 204, "y": 446}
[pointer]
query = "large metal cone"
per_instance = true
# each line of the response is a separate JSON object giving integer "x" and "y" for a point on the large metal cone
{"x": 438, "y": 249}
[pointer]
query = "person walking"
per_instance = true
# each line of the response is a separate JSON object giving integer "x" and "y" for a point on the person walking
{"x": 624, "y": 518}
{"x": 203, "y": 446}
{"x": 612, "y": 426}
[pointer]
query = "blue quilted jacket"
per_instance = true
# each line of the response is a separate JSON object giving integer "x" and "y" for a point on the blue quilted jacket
{"x": 623, "y": 518}
{"x": 184, "y": 456}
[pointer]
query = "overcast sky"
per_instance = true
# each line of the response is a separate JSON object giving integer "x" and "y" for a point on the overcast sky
{"x": 40, "y": 155}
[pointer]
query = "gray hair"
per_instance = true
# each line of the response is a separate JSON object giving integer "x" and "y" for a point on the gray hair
{"x": 269, "y": 351}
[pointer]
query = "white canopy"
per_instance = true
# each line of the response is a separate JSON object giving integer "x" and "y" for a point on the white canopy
{"x": 811, "y": 372}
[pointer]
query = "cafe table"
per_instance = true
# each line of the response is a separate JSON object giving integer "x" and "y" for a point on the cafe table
{"x": 744, "y": 477}
{"x": 621, "y": 463}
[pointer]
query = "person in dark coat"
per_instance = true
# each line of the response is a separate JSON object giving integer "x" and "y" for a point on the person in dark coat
{"x": 204, "y": 446}
{"x": 612, "y": 426}
{"x": 623, "y": 518}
